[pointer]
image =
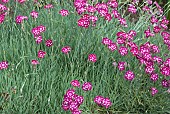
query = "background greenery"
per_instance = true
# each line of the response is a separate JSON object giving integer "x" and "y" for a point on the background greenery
{"x": 25, "y": 90}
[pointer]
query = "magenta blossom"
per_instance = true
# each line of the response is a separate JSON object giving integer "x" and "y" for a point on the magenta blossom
{"x": 123, "y": 50}
{"x": 3, "y": 65}
{"x": 106, "y": 103}
{"x": 41, "y": 54}
{"x": 66, "y": 49}
{"x": 87, "y": 86}
{"x": 64, "y": 12}
{"x": 34, "y": 62}
{"x": 38, "y": 39}
{"x": 48, "y": 6}
{"x": 132, "y": 8}
{"x": 5, "y": 1}
{"x": 92, "y": 57}
{"x": 154, "y": 91}
{"x": 19, "y": 19}
{"x": 129, "y": 75}
{"x": 34, "y": 14}
{"x": 49, "y": 43}
{"x": 121, "y": 65}
{"x": 21, "y": 1}
{"x": 165, "y": 83}
{"x": 154, "y": 77}
{"x": 106, "y": 41}
{"x": 75, "y": 83}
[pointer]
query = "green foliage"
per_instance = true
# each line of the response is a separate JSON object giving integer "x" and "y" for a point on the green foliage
{"x": 28, "y": 90}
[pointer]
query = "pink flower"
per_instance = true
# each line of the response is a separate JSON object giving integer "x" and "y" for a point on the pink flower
{"x": 153, "y": 20}
{"x": 49, "y": 43}
{"x": 87, "y": 86}
{"x": 155, "y": 49}
{"x": 132, "y": 8}
{"x": 81, "y": 10}
{"x": 38, "y": 30}
{"x": 129, "y": 75}
{"x": 134, "y": 51}
{"x": 34, "y": 62}
{"x": 156, "y": 29}
{"x": 64, "y": 12}
{"x": 93, "y": 18}
{"x": 66, "y": 49}
{"x": 108, "y": 17}
{"x": 34, "y": 14}
{"x": 73, "y": 106}
{"x": 165, "y": 83}
{"x": 3, "y": 8}
{"x": 146, "y": 8}
{"x": 5, "y": 1}
{"x": 21, "y": 1}
{"x": 41, "y": 54}
{"x": 112, "y": 46}
{"x": 116, "y": 14}
{"x": 123, "y": 50}
{"x": 149, "y": 69}
{"x": 2, "y": 17}
{"x": 19, "y": 19}
{"x": 70, "y": 93}
{"x": 123, "y": 22}
{"x": 149, "y": 2}
{"x": 75, "y": 83}
{"x": 79, "y": 99}
{"x": 167, "y": 62}
{"x": 3, "y": 65}
{"x": 154, "y": 91}
{"x": 91, "y": 9}
{"x": 132, "y": 33}
{"x": 120, "y": 40}
{"x": 147, "y": 56}
{"x": 165, "y": 71}
{"x": 154, "y": 77}
{"x": 121, "y": 65}
{"x": 106, "y": 41}
{"x": 148, "y": 33}
{"x": 157, "y": 59}
{"x": 92, "y": 57}
{"x": 106, "y": 103}
{"x": 38, "y": 39}
{"x": 98, "y": 100}
{"x": 48, "y": 6}
{"x": 83, "y": 22}
{"x": 112, "y": 3}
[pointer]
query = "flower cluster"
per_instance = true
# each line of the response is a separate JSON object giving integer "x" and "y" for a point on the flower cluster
{"x": 3, "y": 65}
{"x": 72, "y": 101}
{"x": 101, "y": 101}
{"x": 37, "y": 33}
{"x": 101, "y": 9}
{"x": 166, "y": 38}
